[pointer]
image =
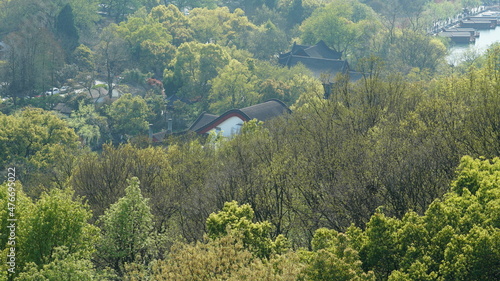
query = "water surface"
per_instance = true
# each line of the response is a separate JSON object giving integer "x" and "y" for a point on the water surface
{"x": 461, "y": 52}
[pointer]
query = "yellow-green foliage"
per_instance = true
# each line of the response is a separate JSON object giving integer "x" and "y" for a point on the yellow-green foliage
{"x": 237, "y": 220}
{"x": 224, "y": 258}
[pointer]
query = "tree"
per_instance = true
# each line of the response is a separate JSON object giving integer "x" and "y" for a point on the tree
{"x": 119, "y": 9}
{"x": 33, "y": 60}
{"x": 235, "y": 219}
{"x": 127, "y": 226}
{"x": 193, "y": 66}
{"x": 89, "y": 125}
{"x": 20, "y": 208}
{"x": 220, "y": 26}
{"x": 415, "y": 49}
{"x": 224, "y": 258}
{"x": 174, "y": 21}
{"x": 234, "y": 87}
{"x": 267, "y": 41}
{"x": 111, "y": 55}
{"x": 189, "y": 4}
{"x": 129, "y": 115}
{"x": 344, "y": 26}
{"x": 141, "y": 27}
{"x": 295, "y": 13}
{"x": 57, "y": 220}
{"x": 31, "y": 130}
{"x": 64, "y": 267}
{"x": 85, "y": 59}
{"x": 66, "y": 30}
{"x": 333, "y": 258}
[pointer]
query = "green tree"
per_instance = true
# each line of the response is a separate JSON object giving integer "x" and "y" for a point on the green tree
{"x": 188, "y": 4}
{"x": 83, "y": 57}
{"x": 174, "y": 21}
{"x": 333, "y": 258}
{"x": 129, "y": 115}
{"x": 193, "y": 66}
{"x": 119, "y": 9}
{"x": 66, "y": 29}
{"x": 57, "y": 220}
{"x": 238, "y": 219}
{"x": 267, "y": 41}
{"x": 89, "y": 125}
{"x": 21, "y": 211}
{"x": 33, "y": 61}
{"x": 415, "y": 49}
{"x": 127, "y": 226}
{"x": 111, "y": 55}
{"x": 65, "y": 266}
{"x": 141, "y": 27}
{"x": 220, "y": 26}
{"x": 343, "y": 25}
{"x": 31, "y": 130}
{"x": 224, "y": 258}
{"x": 234, "y": 87}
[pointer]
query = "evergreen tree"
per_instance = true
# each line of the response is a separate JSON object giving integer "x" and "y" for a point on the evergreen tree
{"x": 66, "y": 29}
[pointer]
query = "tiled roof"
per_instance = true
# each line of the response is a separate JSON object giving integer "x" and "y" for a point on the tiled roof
{"x": 262, "y": 112}
{"x": 320, "y": 59}
{"x": 202, "y": 120}
{"x": 266, "y": 110}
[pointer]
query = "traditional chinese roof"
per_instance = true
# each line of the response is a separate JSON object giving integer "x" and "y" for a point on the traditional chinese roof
{"x": 320, "y": 59}
{"x": 202, "y": 120}
{"x": 262, "y": 112}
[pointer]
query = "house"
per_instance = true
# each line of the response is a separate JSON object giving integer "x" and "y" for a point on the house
{"x": 324, "y": 63}
{"x": 320, "y": 59}
{"x": 230, "y": 122}
{"x": 63, "y": 109}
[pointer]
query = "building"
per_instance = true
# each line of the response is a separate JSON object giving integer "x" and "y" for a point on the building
{"x": 320, "y": 59}
{"x": 230, "y": 122}
{"x": 324, "y": 63}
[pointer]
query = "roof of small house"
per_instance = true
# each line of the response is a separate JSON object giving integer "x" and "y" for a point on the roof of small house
{"x": 63, "y": 108}
{"x": 262, "y": 112}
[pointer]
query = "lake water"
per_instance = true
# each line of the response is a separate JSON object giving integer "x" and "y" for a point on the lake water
{"x": 461, "y": 52}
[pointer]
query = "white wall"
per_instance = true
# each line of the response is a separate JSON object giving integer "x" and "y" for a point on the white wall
{"x": 230, "y": 126}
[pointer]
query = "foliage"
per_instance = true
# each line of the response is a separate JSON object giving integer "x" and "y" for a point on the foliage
{"x": 89, "y": 125}
{"x": 66, "y": 29}
{"x": 65, "y": 266}
{"x": 238, "y": 219}
{"x": 333, "y": 258}
{"x": 418, "y": 50}
{"x": 267, "y": 41}
{"x": 129, "y": 115}
{"x": 234, "y": 87}
{"x": 127, "y": 227}
{"x": 57, "y": 220}
{"x": 220, "y": 26}
{"x": 231, "y": 252}
{"x": 391, "y": 137}
{"x": 223, "y": 258}
{"x": 31, "y": 130}
{"x": 342, "y": 25}
{"x": 193, "y": 66}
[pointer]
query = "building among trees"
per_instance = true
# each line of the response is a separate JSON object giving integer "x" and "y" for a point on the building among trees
{"x": 324, "y": 63}
{"x": 230, "y": 122}
{"x": 320, "y": 59}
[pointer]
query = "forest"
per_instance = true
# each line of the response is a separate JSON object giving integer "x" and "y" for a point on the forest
{"x": 392, "y": 176}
